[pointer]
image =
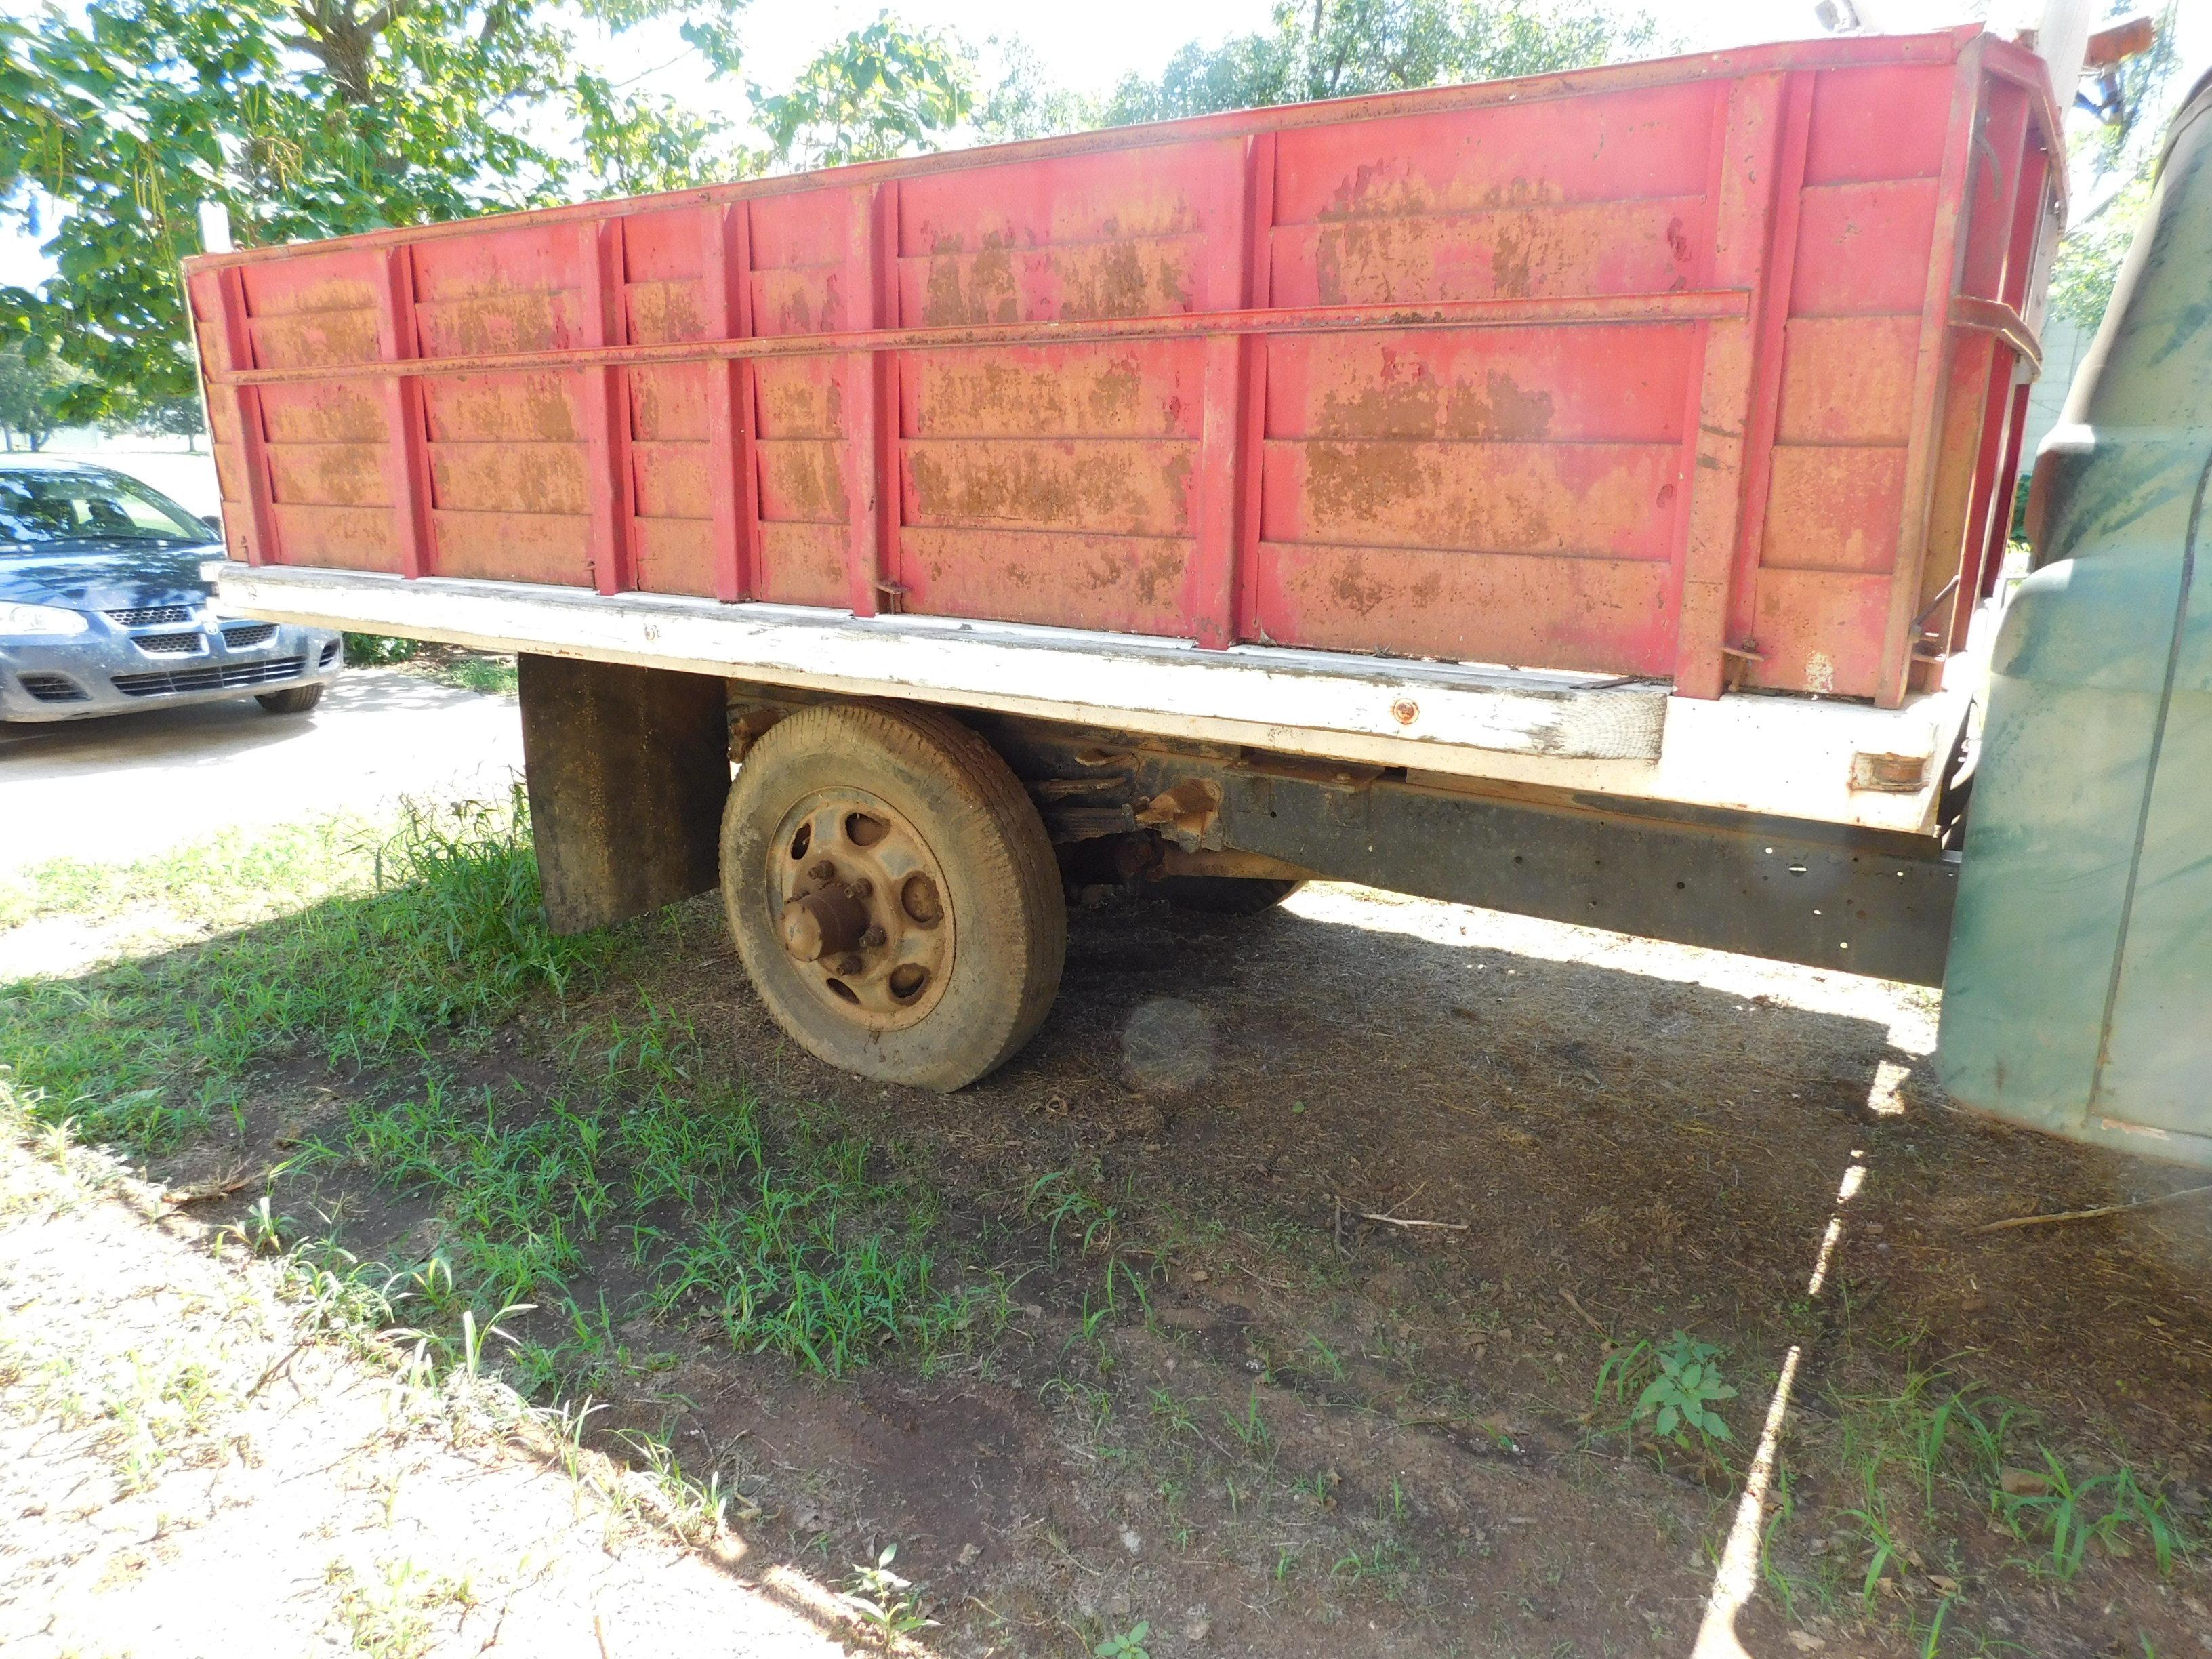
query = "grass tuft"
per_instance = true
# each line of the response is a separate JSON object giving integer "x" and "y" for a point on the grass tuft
{"x": 789, "y": 1244}
{"x": 441, "y": 934}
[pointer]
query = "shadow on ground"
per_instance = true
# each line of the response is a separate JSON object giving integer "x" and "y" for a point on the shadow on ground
{"x": 1294, "y": 1424}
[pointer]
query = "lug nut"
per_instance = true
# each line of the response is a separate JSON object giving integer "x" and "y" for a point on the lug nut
{"x": 824, "y": 870}
{"x": 849, "y": 965}
{"x": 873, "y": 939}
{"x": 861, "y": 888}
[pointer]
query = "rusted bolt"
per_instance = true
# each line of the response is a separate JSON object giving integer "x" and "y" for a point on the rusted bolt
{"x": 1404, "y": 711}
{"x": 873, "y": 939}
{"x": 850, "y": 965}
{"x": 861, "y": 888}
{"x": 824, "y": 870}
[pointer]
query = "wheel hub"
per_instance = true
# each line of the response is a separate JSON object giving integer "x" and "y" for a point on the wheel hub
{"x": 861, "y": 908}
{"x": 826, "y": 923}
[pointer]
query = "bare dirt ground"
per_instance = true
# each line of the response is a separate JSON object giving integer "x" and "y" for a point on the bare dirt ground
{"x": 1394, "y": 1190}
{"x": 190, "y": 1466}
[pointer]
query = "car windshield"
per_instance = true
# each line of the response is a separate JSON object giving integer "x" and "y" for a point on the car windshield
{"x": 38, "y": 509}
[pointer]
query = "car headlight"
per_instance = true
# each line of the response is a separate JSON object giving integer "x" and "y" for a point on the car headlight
{"x": 47, "y": 621}
{"x": 211, "y": 571}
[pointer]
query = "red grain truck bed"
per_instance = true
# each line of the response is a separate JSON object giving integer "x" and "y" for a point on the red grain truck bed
{"x": 1497, "y": 429}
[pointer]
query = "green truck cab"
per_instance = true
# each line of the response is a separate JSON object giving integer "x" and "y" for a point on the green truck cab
{"x": 2078, "y": 992}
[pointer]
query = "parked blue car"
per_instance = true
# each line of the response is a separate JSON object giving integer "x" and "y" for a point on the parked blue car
{"x": 103, "y": 608}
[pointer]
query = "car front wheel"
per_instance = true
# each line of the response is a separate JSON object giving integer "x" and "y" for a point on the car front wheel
{"x": 292, "y": 699}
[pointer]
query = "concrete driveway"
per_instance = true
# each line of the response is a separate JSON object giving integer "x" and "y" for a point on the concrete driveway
{"x": 124, "y": 787}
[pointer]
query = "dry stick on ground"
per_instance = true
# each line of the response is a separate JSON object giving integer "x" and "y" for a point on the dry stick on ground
{"x": 1397, "y": 1220}
{"x": 2092, "y": 1215}
{"x": 281, "y": 1365}
{"x": 1584, "y": 1312}
{"x": 238, "y": 1180}
{"x": 1409, "y": 1221}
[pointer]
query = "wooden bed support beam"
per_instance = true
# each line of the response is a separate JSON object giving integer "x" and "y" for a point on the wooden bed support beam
{"x": 627, "y": 768}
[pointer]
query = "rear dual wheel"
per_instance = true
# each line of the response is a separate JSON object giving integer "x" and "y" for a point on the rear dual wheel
{"x": 893, "y": 893}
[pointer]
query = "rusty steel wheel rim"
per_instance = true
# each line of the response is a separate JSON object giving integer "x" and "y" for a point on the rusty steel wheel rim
{"x": 861, "y": 908}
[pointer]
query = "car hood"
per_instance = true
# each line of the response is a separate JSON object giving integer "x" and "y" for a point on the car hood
{"x": 98, "y": 576}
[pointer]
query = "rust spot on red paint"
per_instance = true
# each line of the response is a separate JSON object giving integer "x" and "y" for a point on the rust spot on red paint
{"x": 481, "y": 408}
{"x": 346, "y": 475}
{"x": 1348, "y": 482}
{"x": 334, "y": 413}
{"x": 1393, "y": 189}
{"x": 999, "y": 284}
{"x": 1111, "y": 401}
{"x": 1417, "y": 405}
{"x": 664, "y": 311}
{"x": 496, "y": 323}
{"x": 1158, "y": 576}
{"x": 1361, "y": 592}
{"x": 1355, "y": 590}
{"x": 1120, "y": 280}
{"x": 297, "y": 340}
{"x": 1069, "y": 485}
{"x": 1074, "y": 393}
{"x": 1509, "y": 262}
{"x": 792, "y": 313}
{"x": 799, "y": 400}
{"x": 645, "y": 397}
{"x": 1481, "y": 497}
{"x": 965, "y": 288}
{"x": 805, "y": 480}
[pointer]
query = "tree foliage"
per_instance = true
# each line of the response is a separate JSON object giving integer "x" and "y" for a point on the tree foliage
{"x": 2121, "y": 153}
{"x": 315, "y": 117}
{"x": 169, "y": 417}
{"x": 1316, "y": 49}
{"x": 31, "y": 392}
{"x": 876, "y": 94}
{"x": 308, "y": 118}
{"x": 2091, "y": 251}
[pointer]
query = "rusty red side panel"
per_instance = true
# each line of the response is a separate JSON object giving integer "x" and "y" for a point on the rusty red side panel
{"x": 1704, "y": 370}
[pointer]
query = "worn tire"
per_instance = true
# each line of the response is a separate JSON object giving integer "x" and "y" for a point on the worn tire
{"x": 292, "y": 699}
{"x": 1225, "y": 896}
{"x": 1004, "y": 889}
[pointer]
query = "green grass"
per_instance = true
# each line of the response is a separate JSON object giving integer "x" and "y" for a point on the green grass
{"x": 773, "y": 1227}
{"x": 237, "y": 876}
{"x": 610, "y": 1165}
{"x": 794, "y": 1242}
{"x": 491, "y": 676}
{"x": 472, "y": 670}
{"x": 437, "y": 934}
{"x": 1923, "y": 1465}
{"x": 379, "y": 650}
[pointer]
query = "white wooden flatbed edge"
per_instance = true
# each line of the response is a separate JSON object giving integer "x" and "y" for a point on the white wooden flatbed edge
{"x": 1785, "y": 756}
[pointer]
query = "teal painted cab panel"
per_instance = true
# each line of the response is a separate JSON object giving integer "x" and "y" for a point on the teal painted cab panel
{"x": 2078, "y": 996}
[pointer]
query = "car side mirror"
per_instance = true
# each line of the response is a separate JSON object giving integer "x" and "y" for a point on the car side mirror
{"x": 213, "y": 521}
